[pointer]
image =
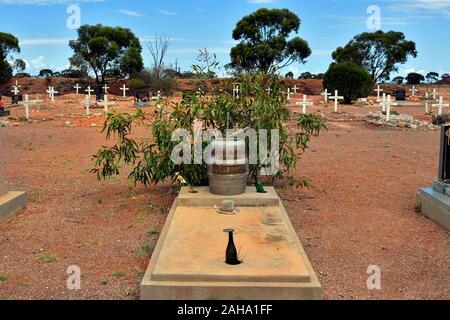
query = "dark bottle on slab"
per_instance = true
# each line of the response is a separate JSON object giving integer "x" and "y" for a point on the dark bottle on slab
{"x": 231, "y": 255}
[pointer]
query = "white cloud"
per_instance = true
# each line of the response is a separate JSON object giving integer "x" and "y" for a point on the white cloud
{"x": 131, "y": 13}
{"x": 37, "y": 63}
{"x": 441, "y": 7}
{"x": 167, "y": 13}
{"x": 43, "y": 41}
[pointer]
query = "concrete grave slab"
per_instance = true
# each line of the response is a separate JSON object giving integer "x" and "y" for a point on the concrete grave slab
{"x": 435, "y": 205}
{"x": 189, "y": 259}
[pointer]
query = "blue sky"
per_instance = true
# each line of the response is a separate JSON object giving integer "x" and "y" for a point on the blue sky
{"x": 193, "y": 24}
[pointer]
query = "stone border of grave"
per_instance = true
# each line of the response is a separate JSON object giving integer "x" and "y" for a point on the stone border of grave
{"x": 403, "y": 121}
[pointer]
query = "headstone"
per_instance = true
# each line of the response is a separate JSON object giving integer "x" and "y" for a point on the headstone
{"x": 124, "y": 90}
{"x": 435, "y": 202}
{"x": 400, "y": 95}
{"x": 325, "y": 95}
{"x": 378, "y": 91}
{"x": 304, "y": 103}
{"x": 336, "y": 99}
{"x": 77, "y": 87}
{"x": 440, "y": 105}
{"x": 89, "y": 91}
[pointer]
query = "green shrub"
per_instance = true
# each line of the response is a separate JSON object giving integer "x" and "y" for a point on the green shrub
{"x": 351, "y": 80}
{"x": 136, "y": 84}
{"x": 255, "y": 108}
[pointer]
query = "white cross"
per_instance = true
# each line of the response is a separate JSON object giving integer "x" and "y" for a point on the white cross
{"x": 389, "y": 103}
{"x": 106, "y": 104}
{"x": 434, "y": 93}
{"x": 236, "y": 92}
{"x": 124, "y": 89}
{"x": 87, "y": 104}
{"x": 77, "y": 87}
{"x": 304, "y": 103}
{"x": 336, "y": 98}
{"x": 269, "y": 90}
{"x": 18, "y": 85}
{"x": 105, "y": 88}
{"x": 289, "y": 94}
{"x": 440, "y": 105}
{"x": 325, "y": 95}
{"x": 26, "y": 103}
{"x": 413, "y": 90}
{"x": 427, "y": 98}
{"x": 378, "y": 91}
{"x": 15, "y": 90}
{"x": 37, "y": 102}
{"x": 383, "y": 102}
{"x": 51, "y": 91}
{"x": 89, "y": 91}
{"x": 295, "y": 89}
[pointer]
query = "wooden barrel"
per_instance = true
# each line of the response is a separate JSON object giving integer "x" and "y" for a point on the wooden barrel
{"x": 228, "y": 174}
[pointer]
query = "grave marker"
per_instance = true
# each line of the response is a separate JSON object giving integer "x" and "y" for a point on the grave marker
{"x": 336, "y": 98}
{"x": 325, "y": 95}
{"x": 106, "y": 104}
{"x": 389, "y": 103}
{"x": 435, "y": 202}
{"x": 26, "y": 103}
{"x": 18, "y": 85}
{"x": 105, "y": 88}
{"x": 51, "y": 92}
{"x": 378, "y": 91}
{"x": 440, "y": 105}
{"x": 124, "y": 90}
{"x": 295, "y": 89}
{"x": 77, "y": 87}
{"x": 89, "y": 91}
{"x": 37, "y": 102}
{"x": 236, "y": 92}
{"x": 305, "y": 103}
{"x": 15, "y": 90}
{"x": 269, "y": 90}
{"x": 413, "y": 90}
{"x": 383, "y": 103}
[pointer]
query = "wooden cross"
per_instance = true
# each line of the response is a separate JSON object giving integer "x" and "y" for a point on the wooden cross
{"x": 105, "y": 88}
{"x": 124, "y": 90}
{"x": 37, "y": 102}
{"x": 87, "y": 104}
{"x": 236, "y": 92}
{"x": 389, "y": 103}
{"x": 26, "y": 103}
{"x": 106, "y": 104}
{"x": 51, "y": 91}
{"x": 289, "y": 94}
{"x": 440, "y": 105}
{"x": 15, "y": 90}
{"x": 89, "y": 91}
{"x": 383, "y": 103}
{"x": 427, "y": 98}
{"x": 378, "y": 91}
{"x": 295, "y": 89}
{"x": 413, "y": 90}
{"x": 269, "y": 90}
{"x": 77, "y": 87}
{"x": 325, "y": 95}
{"x": 304, "y": 103}
{"x": 18, "y": 85}
{"x": 336, "y": 98}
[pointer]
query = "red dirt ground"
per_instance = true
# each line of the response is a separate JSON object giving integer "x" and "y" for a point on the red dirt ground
{"x": 360, "y": 211}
